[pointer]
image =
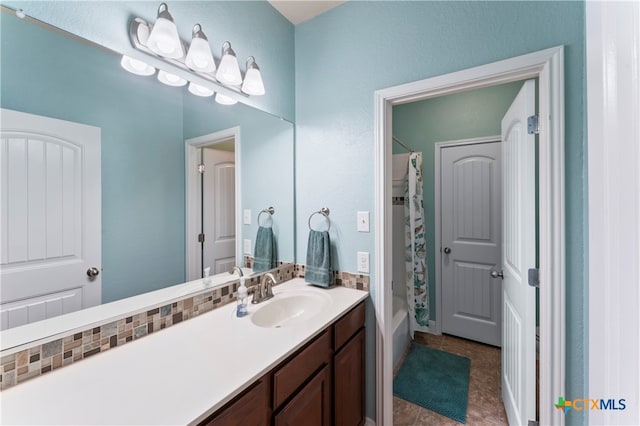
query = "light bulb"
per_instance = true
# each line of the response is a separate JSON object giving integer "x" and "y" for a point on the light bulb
{"x": 225, "y": 100}
{"x": 252, "y": 84}
{"x": 199, "y": 57}
{"x": 171, "y": 79}
{"x": 229, "y": 71}
{"x": 198, "y": 90}
{"x": 136, "y": 66}
{"x": 164, "y": 39}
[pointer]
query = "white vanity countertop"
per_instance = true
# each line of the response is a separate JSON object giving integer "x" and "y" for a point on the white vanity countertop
{"x": 177, "y": 376}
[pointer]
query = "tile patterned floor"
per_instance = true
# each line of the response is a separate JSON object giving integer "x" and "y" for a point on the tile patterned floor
{"x": 485, "y": 403}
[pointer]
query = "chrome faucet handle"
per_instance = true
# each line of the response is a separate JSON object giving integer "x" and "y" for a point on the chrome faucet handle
{"x": 257, "y": 294}
{"x": 236, "y": 269}
{"x": 269, "y": 280}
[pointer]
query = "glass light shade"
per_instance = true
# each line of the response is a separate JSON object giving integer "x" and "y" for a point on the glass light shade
{"x": 164, "y": 39}
{"x": 199, "y": 57}
{"x": 171, "y": 79}
{"x": 229, "y": 70}
{"x": 252, "y": 84}
{"x": 136, "y": 66}
{"x": 225, "y": 100}
{"x": 198, "y": 90}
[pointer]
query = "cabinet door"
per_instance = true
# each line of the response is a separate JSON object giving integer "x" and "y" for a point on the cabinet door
{"x": 250, "y": 409}
{"x": 349, "y": 382}
{"x": 311, "y": 406}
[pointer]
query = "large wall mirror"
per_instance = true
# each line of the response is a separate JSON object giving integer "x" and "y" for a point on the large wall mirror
{"x": 145, "y": 127}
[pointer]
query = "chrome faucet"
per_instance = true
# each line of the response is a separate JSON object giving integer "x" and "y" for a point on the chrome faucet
{"x": 236, "y": 269}
{"x": 264, "y": 289}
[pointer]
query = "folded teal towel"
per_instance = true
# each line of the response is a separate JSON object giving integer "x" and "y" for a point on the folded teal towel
{"x": 264, "y": 255}
{"x": 318, "y": 268}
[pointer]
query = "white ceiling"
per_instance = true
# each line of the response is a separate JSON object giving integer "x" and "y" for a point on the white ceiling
{"x": 297, "y": 11}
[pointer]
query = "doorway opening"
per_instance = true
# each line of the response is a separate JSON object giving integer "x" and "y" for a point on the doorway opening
{"x": 547, "y": 66}
{"x": 213, "y": 198}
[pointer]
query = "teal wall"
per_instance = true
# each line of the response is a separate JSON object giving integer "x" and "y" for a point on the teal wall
{"x": 253, "y": 28}
{"x": 420, "y": 125}
{"x": 142, "y": 147}
{"x": 344, "y": 55}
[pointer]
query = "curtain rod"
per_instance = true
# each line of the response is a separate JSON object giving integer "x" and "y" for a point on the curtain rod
{"x": 402, "y": 144}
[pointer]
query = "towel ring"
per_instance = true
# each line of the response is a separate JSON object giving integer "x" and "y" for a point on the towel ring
{"x": 270, "y": 211}
{"x": 324, "y": 212}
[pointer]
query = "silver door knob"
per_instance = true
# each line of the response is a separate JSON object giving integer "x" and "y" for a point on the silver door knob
{"x": 447, "y": 250}
{"x": 496, "y": 274}
{"x": 93, "y": 272}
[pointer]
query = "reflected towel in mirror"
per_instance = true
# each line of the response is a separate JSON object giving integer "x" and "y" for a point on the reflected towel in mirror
{"x": 264, "y": 257}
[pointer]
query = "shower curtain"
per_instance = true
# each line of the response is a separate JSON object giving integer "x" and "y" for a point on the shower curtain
{"x": 415, "y": 245}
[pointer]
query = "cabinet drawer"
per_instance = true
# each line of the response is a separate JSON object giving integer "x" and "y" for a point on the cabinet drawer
{"x": 348, "y": 325}
{"x": 294, "y": 373}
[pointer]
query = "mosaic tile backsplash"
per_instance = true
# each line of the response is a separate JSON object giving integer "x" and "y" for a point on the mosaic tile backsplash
{"x": 30, "y": 362}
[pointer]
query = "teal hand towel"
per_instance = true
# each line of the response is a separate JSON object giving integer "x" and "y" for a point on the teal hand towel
{"x": 318, "y": 268}
{"x": 264, "y": 255}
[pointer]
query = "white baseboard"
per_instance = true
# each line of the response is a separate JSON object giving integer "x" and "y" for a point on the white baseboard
{"x": 369, "y": 422}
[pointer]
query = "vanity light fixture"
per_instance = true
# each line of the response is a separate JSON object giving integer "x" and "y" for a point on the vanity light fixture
{"x": 136, "y": 66}
{"x": 252, "y": 84}
{"x": 164, "y": 39}
{"x": 229, "y": 71}
{"x": 199, "y": 57}
{"x": 171, "y": 79}
{"x": 198, "y": 90}
{"x": 161, "y": 41}
{"x": 225, "y": 100}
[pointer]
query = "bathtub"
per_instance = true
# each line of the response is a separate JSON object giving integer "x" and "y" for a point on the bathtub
{"x": 400, "y": 327}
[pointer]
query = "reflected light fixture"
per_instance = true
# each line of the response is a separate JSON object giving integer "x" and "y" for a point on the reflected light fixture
{"x": 252, "y": 84}
{"x": 199, "y": 90}
{"x": 229, "y": 71}
{"x": 164, "y": 39}
{"x": 225, "y": 100}
{"x": 171, "y": 79}
{"x": 136, "y": 66}
{"x": 199, "y": 57}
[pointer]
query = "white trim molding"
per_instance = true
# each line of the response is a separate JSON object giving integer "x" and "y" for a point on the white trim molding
{"x": 192, "y": 196}
{"x": 613, "y": 102}
{"x": 548, "y": 66}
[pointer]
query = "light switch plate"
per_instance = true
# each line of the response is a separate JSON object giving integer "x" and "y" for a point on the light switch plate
{"x": 246, "y": 217}
{"x": 363, "y": 261}
{"x": 363, "y": 221}
{"x": 247, "y": 246}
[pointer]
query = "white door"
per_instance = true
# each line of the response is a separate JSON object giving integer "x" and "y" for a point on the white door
{"x": 219, "y": 212}
{"x": 471, "y": 212}
{"x": 50, "y": 217}
{"x": 518, "y": 255}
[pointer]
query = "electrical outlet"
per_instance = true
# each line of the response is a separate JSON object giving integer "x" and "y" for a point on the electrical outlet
{"x": 247, "y": 246}
{"x": 363, "y": 261}
{"x": 246, "y": 217}
{"x": 363, "y": 221}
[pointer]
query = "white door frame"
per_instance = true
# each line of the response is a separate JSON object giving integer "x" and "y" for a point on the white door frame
{"x": 613, "y": 92}
{"x": 193, "y": 196}
{"x": 437, "y": 326}
{"x": 548, "y": 66}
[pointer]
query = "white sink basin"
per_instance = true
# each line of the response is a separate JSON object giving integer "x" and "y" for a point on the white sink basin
{"x": 289, "y": 307}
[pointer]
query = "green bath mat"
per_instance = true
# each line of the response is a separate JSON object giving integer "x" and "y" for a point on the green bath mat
{"x": 435, "y": 380}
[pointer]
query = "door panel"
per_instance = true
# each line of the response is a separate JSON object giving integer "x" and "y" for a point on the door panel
{"x": 519, "y": 227}
{"x": 471, "y": 230}
{"x": 50, "y": 208}
{"x": 219, "y": 210}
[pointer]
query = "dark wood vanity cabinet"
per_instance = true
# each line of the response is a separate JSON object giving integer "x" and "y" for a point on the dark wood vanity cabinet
{"x": 348, "y": 367}
{"x": 321, "y": 384}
